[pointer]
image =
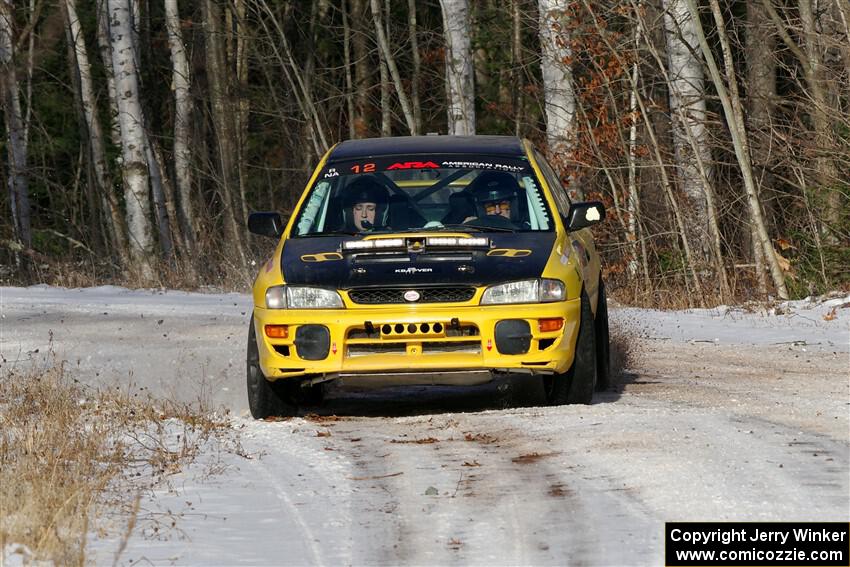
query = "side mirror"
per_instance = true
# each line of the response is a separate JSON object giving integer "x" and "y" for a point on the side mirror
{"x": 583, "y": 215}
{"x": 266, "y": 224}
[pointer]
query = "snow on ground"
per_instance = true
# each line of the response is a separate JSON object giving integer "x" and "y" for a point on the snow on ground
{"x": 823, "y": 323}
{"x": 726, "y": 415}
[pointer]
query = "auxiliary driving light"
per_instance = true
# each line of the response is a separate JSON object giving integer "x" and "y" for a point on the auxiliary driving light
{"x": 277, "y": 331}
{"x": 549, "y": 325}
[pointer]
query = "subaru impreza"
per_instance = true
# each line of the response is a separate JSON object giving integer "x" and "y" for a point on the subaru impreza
{"x": 428, "y": 260}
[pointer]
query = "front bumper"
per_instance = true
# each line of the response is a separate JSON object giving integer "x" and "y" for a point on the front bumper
{"x": 425, "y": 340}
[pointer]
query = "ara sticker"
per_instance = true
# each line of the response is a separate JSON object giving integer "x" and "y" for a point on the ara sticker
{"x": 489, "y": 344}
{"x": 333, "y": 348}
{"x": 482, "y": 165}
{"x": 414, "y": 165}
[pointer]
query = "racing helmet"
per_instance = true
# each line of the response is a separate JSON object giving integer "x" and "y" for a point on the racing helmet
{"x": 365, "y": 189}
{"x": 494, "y": 187}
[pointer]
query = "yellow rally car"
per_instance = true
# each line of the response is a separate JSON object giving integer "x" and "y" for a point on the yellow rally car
{"x": 428, "y": 260}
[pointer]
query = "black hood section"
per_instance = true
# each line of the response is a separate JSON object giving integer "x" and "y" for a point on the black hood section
{"x": 326, "y": 267}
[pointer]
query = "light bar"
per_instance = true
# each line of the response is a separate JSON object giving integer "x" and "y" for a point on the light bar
{"x": 370, "y": 244}
{"x": 455, "y": 241}
{"x": 358, "y": 245}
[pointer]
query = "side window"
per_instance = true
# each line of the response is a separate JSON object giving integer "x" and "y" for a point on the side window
{"x": 554, "y": 183}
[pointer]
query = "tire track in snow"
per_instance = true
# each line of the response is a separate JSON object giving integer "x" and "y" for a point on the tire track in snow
{"x": 291, "y": 511}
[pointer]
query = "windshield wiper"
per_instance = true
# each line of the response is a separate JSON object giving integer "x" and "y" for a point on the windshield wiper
{"x": 473, "y": 228}
{"x": 328, "y": 233}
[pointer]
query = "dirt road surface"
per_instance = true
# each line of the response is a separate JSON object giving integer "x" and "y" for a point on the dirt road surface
{"x": 693, "y": 430}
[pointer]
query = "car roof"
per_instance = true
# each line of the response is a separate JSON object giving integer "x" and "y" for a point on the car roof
{"x": 507, "y": 146}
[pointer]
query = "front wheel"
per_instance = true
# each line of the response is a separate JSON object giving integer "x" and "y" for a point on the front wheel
{"x": 576, "y": 385}
{"x": 265, "y": 398}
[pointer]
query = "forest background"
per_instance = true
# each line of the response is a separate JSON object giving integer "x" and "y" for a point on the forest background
{"x": 138, "y": 134}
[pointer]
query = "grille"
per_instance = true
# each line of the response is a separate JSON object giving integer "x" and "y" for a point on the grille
{"x": 447, "y": 294}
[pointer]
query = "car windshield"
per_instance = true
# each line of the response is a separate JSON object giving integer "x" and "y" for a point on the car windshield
{"x": 409, "y": 193}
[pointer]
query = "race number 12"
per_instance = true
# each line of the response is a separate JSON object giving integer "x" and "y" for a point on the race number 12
{"x": 365, "y": 168}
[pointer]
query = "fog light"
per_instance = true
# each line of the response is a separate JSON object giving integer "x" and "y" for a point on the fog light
{"x": 549, "y": 325}
{"x": 277, "y": 331}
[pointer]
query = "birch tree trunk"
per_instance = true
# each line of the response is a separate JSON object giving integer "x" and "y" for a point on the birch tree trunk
{"x": 16, "y": 145}
{"x": 106, "y": 57}
{"x": 558, "y": 89}
{"x": 687, "y": 108}
{"x": 460, "y": 88}
{"x": 384, "y": 46}
{"x": 386, "y": 113}
{"x": 734, "y": 112}
{"x": 131, "y": 122}
{"x": 181, "y": 81}
{"x": 115, "y": 223}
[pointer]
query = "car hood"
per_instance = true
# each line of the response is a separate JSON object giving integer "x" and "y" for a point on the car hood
{"x": 321, "y": 261}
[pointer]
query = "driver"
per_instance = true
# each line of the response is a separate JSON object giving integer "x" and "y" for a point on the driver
{"x": 495, "y": 194}
{"x": 365, "y": 205}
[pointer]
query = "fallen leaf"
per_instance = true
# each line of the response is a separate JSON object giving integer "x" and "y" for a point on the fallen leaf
{"x": 531, "y": 458}
{"x": 831, "y": 315}
{"x": 323, "y": 434}
{"x": 471, "y": 464}
{"x": 480, "y": 437}
{"x": 785, "y": 244}
{"x": 426, "y": 441}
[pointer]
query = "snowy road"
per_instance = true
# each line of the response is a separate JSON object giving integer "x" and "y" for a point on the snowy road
{"x": 723, "y": 415}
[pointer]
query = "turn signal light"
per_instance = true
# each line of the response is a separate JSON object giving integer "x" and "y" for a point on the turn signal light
{"x": 277, "y": 331}
{"x": 549, "y": 325}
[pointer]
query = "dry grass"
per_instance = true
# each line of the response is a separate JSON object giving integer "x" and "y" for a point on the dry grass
{"x": 71, "y": 457}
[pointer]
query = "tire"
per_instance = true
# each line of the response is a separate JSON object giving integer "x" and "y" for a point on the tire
{"x": 603, "y": 342}
{"x": 265, "y": 398}
{"x": 576, "y": 385}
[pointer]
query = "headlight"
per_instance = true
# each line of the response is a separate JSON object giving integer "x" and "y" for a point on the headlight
{"x": 525, "y": 291}
{"x": 299, "y": 297}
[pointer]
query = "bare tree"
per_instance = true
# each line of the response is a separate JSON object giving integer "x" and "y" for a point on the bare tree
{"x": 112, "y": 213}
{"x": 130, "y": 119}
{"x": 558, "y": 88}
{"x": 459, "y": 81}
{"x": 18, "y": 181}
{"x": 687, "y": 105}
{"x": 225, "y": 127}
{"x": 733, "y": 109}
{"x": 181, "y": 82}
{"x": 413, "y": 33}
{"x": 389, "y": 60}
